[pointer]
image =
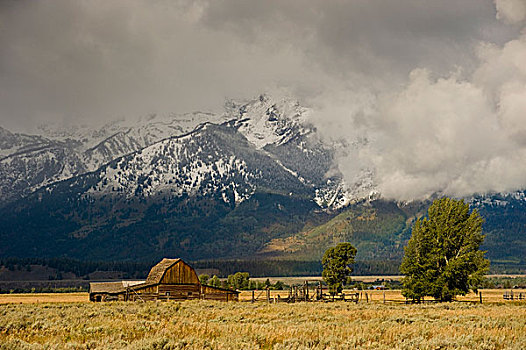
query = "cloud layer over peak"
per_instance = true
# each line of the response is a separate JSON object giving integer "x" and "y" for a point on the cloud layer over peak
{"x": 435, "y": 90}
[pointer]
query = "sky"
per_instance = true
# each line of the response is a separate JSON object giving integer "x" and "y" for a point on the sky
{"x": 434, "y": 92}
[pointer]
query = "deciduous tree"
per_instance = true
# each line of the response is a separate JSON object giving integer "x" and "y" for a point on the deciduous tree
{"x": 337, "y": 267}
{"x": 215, "y": 281}
{"x": 443, "y": 257}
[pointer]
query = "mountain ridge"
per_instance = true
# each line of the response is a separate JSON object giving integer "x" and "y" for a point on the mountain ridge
{"x": 252, "y": 182}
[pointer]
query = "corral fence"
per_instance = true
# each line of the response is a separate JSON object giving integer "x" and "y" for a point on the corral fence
{"x": 312, "y": 293}
{"x": 514, "y": 296}
{"x": 304, "y": 293}
{"x": 316, "y": 292}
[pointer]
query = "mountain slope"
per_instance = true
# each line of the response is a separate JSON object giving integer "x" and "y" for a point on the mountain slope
{"x": 254, "y": 182}
{"x": 378, "y": 229}
{"x": 277, "y": 128}
{"x": 29, "y": 162}
{"x": 184, "y": 195}
{"x": 504, "y": 227}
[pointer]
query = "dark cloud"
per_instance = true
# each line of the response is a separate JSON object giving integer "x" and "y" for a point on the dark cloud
{"x": 367, "y": 36}
{"x": 93, "y": 60}
{"x": 389, "y": 72}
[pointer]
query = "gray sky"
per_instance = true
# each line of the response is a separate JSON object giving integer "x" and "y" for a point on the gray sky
{"x": 98, "y": 59}
{"x": 390, "y": 71}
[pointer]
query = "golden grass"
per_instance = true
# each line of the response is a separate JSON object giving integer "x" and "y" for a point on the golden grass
{"x": 218, "y": 325}
{"x": 32, "y": 298}
{"x": 488, "y": 296}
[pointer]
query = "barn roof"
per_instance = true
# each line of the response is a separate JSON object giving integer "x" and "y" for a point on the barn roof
{"x": 112, "y": 287}
{"x": 157, "y": 272}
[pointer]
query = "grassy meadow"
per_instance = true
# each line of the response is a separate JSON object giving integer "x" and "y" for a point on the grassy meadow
{"x": 245, "y": 325}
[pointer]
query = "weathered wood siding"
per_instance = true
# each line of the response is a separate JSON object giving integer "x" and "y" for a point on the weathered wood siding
{"x": 211, "y": 293}
{"x": 141, "y": 293}
{"x": 180, "y": 273}
{"x": 146, "y": 290}
{"x": 179, "y": 291}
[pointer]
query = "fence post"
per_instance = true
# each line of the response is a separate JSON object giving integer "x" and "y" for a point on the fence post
{"x": 253, "y": 299}
{"x": 384, "y": 297}
{"x": 480, "y": 296}
{"x": 295, "y": 293}
{"x": 268, "y": 295}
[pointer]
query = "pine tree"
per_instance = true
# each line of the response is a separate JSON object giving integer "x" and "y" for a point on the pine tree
{"x": 443, "y": 257}
{"x": 337, "y": 263}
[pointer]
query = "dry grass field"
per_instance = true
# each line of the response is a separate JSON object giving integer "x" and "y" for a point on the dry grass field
{"x": 32, "y": 298}
{"x": 488, "y": 296}
{"x": 243, "y": 325}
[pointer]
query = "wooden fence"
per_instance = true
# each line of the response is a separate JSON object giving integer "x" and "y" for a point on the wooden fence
{"x": 305, "y": 293}
{"x": 315, "y": 292}
{"x": 513, "y": 296}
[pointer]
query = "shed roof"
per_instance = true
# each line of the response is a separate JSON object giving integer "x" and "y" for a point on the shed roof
{"x": 223, "y": 289}
{"x": 157, "y": 272}
{"x": 112, "y": 287}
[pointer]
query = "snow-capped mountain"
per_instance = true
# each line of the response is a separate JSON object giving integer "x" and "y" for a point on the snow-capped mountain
{"x": 28, "y": 162}
{"x": 277, "y": 129}
{"x": 213, "y": 160}
{"x": 264, "y": 122}
{"x": 204, "y": 186}
{"x": 186, "y": 177}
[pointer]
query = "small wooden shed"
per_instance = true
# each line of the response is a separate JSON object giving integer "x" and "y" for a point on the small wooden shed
{"x": 170, "y": 279}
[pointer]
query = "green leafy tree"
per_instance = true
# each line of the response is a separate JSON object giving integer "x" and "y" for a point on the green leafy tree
{"x": 215, "y": 281}
{"x": 337, "y": 263}
{"x": 239, "y": 280}
{"x": 204, "y": 279}
{"x": 443, "y": 257}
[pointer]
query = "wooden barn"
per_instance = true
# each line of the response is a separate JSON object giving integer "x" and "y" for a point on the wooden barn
{"x": 171, "y": 279}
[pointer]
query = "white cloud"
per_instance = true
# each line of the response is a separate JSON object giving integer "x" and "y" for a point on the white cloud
{"x": 454, "y": 135}
{"x": 513, "y": 11}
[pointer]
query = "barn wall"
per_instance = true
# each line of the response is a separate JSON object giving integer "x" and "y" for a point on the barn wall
{"x": 180, "y": 273}
{"x": 166, "y": 292}
{"x": 178, "y": 291}
{"x": 210, "y": 293}
{"x": 147, "y": 290}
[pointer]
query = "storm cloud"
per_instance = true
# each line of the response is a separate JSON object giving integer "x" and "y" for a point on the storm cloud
{"x": 432, "y": 91}
{"x": 455, "y": 133}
